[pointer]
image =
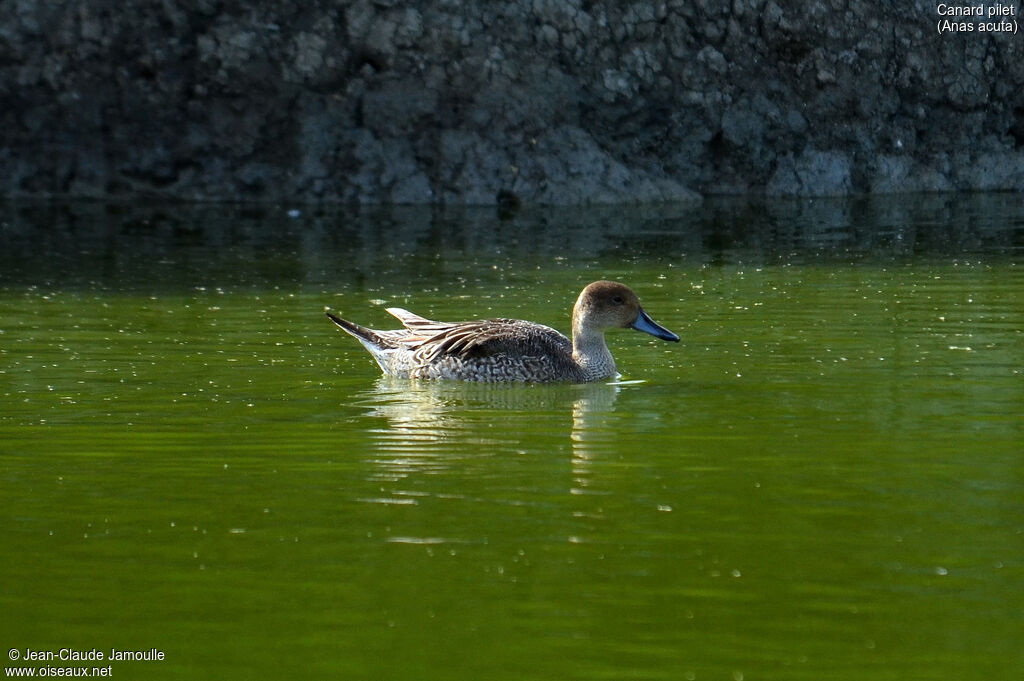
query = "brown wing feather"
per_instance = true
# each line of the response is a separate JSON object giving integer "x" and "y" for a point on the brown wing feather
{"x": 430, "y": 340}
{"x": 492, "y": 336}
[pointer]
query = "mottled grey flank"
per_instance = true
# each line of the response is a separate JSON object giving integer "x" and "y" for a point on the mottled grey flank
{"x": 557, "y": 101}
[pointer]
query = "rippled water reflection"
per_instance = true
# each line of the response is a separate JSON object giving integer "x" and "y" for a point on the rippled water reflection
{"x": 823, "y": 480}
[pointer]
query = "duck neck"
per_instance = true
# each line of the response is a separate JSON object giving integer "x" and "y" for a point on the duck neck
{"x": 591, "y": 353}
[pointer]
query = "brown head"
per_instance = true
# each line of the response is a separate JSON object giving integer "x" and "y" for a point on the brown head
{"x": 606, "y": 305}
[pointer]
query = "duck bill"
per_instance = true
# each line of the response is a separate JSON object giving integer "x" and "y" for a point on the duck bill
{"x": 647, "y": 325}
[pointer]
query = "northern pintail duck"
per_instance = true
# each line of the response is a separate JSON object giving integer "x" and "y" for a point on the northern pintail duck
{"x": 495, "y": 350}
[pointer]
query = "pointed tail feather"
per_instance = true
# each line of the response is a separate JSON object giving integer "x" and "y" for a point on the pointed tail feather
{"x": 376, "y": 344}
{"x": 361, "y": 333}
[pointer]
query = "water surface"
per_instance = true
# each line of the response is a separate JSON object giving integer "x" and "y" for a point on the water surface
{"x": 823, "y": 480}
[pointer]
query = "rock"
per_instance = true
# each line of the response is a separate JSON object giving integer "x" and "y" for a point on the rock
{"x": 812, "y": 173}
{"x": 994, "y": 171}
{"x": 894, "y": 174}
{"x": 399, "y": 109}
{"x": 555, "y": 101}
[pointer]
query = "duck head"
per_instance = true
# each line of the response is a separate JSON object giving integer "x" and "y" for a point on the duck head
{"x": 608, "y": 305}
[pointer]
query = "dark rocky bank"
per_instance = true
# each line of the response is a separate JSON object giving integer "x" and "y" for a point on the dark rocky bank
{"x": 560, "y": 102}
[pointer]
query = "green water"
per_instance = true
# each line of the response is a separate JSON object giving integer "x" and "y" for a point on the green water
{"x": 824, "y": 480}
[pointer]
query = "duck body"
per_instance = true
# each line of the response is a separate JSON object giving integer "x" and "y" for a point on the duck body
{"x": 498, "y": 350}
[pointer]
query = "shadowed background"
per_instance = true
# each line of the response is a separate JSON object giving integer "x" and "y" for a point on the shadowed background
{"x": 557, "y": 101}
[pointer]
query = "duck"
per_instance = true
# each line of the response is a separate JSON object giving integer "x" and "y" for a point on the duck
{"x": 507, "y": 350}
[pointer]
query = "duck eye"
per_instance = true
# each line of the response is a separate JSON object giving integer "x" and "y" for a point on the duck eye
{"x": 618, "y": 300}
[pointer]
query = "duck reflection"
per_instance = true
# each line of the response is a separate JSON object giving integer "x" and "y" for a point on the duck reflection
{"x": 431, "y": 426}
{"x": 592, "y": 435}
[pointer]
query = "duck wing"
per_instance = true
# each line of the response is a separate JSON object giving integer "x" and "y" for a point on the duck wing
{"x": 410, "y": 320}
{"x": 490, "y": 337}
{"x": 431, "y": 340}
